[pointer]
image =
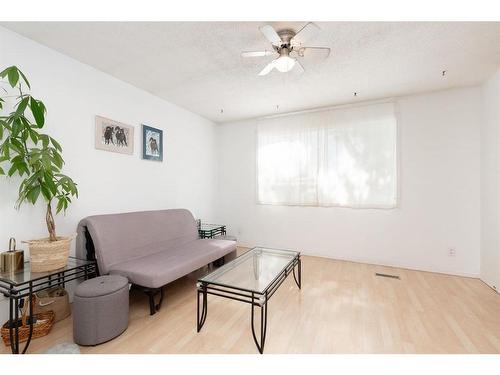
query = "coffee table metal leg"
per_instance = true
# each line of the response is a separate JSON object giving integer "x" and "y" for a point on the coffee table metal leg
{"x": 298, "y": 280}
{"x": 263, "y": 324}
{"x": 200, "y": 318}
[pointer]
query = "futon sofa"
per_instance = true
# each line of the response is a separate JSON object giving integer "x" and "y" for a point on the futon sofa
{"x": 150, "y": 248}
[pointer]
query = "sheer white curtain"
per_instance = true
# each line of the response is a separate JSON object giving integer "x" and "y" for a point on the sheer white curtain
{"x": 341, "y": 157}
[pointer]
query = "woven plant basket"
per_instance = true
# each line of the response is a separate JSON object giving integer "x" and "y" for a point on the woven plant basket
{"x": 43, "y": 325}
{"x": 48, "y": 255}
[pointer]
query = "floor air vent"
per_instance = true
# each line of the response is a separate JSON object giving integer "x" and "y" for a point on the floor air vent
{"x": 387, "y": 275}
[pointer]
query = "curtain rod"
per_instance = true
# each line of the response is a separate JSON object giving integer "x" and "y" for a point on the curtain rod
{"x": 327, "y": 108}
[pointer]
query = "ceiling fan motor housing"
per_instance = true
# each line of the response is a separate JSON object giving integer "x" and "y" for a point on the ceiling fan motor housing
{"x": 286, "y": 35}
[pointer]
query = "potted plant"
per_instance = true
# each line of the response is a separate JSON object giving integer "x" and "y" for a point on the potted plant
{"x": 35, "y": 157}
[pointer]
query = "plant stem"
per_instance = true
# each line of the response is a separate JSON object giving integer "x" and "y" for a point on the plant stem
{"x": 51, "y": 226}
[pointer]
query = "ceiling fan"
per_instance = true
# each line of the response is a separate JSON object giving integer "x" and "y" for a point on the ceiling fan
{"x": 288, "y": 46}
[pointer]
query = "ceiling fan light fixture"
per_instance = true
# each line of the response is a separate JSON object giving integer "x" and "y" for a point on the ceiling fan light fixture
{"x": 285, "y": 43}
{"x": 284, "y": 63}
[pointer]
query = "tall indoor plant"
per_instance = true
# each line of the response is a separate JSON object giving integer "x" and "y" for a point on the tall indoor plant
{"x": 35, "y": 157}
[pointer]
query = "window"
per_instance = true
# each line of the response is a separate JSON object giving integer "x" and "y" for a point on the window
{"x": 343, "y": 157}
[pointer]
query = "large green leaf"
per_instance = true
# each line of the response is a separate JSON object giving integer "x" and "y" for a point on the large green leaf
{"x": 57, "y": 159}
{"x": 49, "y": 182}
{"x": 38, "y": 112}
{"x": 34, "y": 193}
{"x": 17, "y": 146}
{"x": 12, "y": 169}
{"x": 56, "y": 144}
{"x": 24, "y": 79}
{"x": 33, "y": 135}
{"x": 16, "y": 127}
{"x": 23, "y": 168}
{"x": 62, "y": 203}
{"x": 34, "y": 156}
{"x": 46, "y": 161}
{"x": 17, "y": 159}
{"x": 74, "y": 190}
{"x": 13, "y": 76}
{"x": 5, "y": 72}
{"x": 21, "y": 107}
{"x": 6, "y": 149}
{"x": 24, "y": 135}
{"x": 20, "y": 166}
{"x": 46, "y": 193}
{"x": 45, "y": 140}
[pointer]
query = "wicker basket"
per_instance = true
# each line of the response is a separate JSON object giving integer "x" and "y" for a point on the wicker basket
{"x": 43, "y": 324}
{"x": 48, "y": 255}
{"x": 55, "y": 299}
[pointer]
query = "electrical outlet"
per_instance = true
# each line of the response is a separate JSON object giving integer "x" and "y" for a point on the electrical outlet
{"x": 451, "y": 252}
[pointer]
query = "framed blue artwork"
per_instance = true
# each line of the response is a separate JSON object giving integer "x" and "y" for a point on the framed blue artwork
{"x": 152, "y": 143}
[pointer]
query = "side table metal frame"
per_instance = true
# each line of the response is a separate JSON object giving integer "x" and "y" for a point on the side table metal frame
{"x": 18, "y": 291}
{"x": 210, "y": 233}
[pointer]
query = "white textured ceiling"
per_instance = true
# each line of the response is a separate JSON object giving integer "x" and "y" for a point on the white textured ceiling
{"x": 197, "y": 65}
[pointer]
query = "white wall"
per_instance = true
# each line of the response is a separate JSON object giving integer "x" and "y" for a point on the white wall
{"x": 108, "y": 182}
{"x": 490, "y": 182}
{"x": 439, "y": 206}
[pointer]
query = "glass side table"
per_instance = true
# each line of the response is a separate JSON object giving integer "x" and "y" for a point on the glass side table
{"x": 211, "y": 230}
{"x": 24, "y": 283}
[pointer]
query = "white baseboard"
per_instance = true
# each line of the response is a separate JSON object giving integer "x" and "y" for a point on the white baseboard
{"x": 489, "y": 285}
{"x": 385, "y": 264}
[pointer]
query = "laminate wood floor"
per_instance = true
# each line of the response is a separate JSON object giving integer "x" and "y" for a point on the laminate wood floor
{"x": 342, "y": 308}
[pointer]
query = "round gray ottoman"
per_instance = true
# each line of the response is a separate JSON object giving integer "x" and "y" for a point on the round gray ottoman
{"x": 100, "y": 309}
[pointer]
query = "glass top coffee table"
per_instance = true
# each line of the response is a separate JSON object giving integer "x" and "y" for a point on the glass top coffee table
{"x": 251, "y": 278}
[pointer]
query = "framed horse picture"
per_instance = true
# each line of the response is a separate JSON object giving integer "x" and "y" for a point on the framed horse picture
{"x": 113, "y": 136}
{"x": 152, "y": 143}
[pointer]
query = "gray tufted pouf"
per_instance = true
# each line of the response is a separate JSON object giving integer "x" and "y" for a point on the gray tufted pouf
{"x": 100, "y": 309}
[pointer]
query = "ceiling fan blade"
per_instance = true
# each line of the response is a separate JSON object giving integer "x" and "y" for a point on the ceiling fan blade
{"x": 271, "y": 35}
{"x": 267, "y": 69}
{"x": 314, "y": 52}
{"x": 257, "y": 53}
{"x": 298, "y": 68}
{"x": 305, "y": 34}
